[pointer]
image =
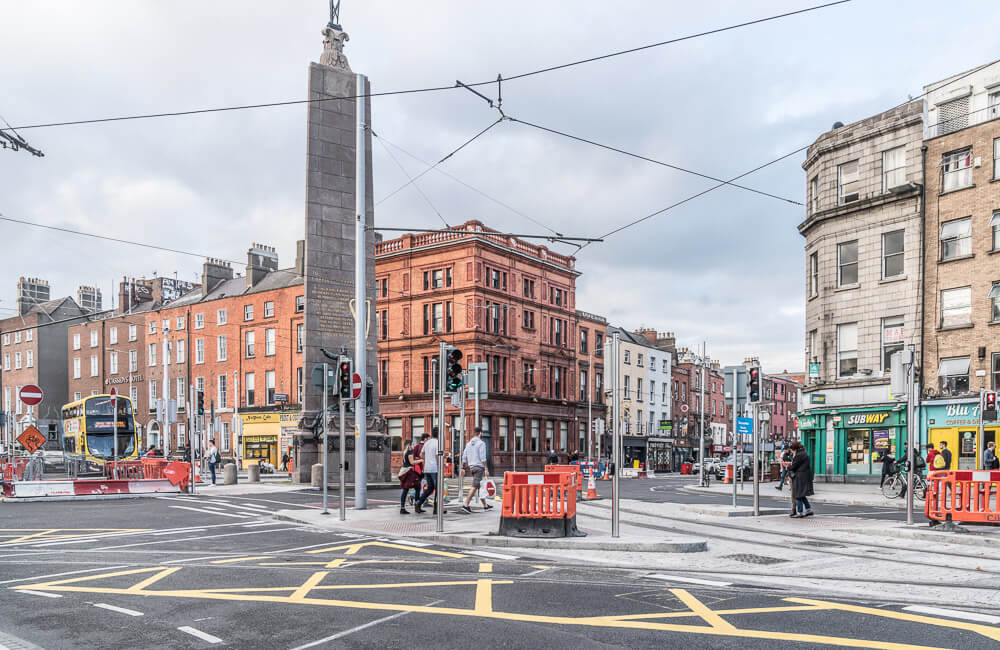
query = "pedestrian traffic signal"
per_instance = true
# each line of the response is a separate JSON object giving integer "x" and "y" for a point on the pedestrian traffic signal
{"x": 345, "y": 374}
{"x": 990, "y": 409}
{"x": 200, "y": 399}
{"x": 753, "y": 384}
{"x": 453, "y": 370}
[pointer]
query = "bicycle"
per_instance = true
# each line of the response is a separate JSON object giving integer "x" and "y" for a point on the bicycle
{"x": 895, "y": 484}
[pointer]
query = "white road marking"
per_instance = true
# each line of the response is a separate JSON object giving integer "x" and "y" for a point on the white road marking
{"x": 252, "y": 514}
{"x": 498, "y": 556}
{"x": 250, "y": 506}
{"x": 409, "y": 542}
{"x": 191, "y": 539}
{"x": 67, "y": 541}
{"x": 120, "y": 610}
{"x": 696, "y": 581}
{"x": 174, "y": 532}
{"x": 953, "y": 613}
{"x": 259, "y": 523}
{"x": 302, "y": 548}
{"x": 204, "y": 636}
{"x": 38, "y": 593}
{"x": 535, "y": 572}
{"x": 340, "y": 635}
{"x": 65, "y": 573}
{"x": 195, "y": 559}
{"x": 205, "y": 511}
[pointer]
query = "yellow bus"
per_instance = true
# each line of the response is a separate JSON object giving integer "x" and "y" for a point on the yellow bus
{"x": 88, "y": 429}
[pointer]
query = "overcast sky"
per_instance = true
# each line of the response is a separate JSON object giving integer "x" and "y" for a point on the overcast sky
{"x": 727, "y": 268}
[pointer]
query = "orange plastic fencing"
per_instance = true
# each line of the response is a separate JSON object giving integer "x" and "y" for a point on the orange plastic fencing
{"x": 965, "y": 495}
{"x": 136, "y": 469}
{"x": 572, "y": 470}
{"x": 13, "y": 471}
{"x": 533, "y": 495}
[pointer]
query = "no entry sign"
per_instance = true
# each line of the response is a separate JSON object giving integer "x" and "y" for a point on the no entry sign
{"x": 31, "y": 394}
{"x": 356, "y": 386}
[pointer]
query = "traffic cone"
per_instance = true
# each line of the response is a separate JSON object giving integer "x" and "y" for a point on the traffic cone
{"x": 591, "y": 489}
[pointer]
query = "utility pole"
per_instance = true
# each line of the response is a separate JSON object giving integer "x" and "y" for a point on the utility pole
{"x": 165, "y": 417}
{"x": 911, "y": 430}
{"x": 237, "y": 422}
{"x": 461, "y": 435}
{"x": 736, "y": 410}
{"x": 361, "y": 305}
{"x": 590, "y": 414}
{"x": 192, "y": 417}
{"x": 326, "y": 442}
{"x": 439, "y": 489}
{"x": 701, "y": 450}
{"x": 616, "y": 439}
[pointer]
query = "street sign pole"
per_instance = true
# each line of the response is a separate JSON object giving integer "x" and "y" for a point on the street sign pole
{"x": 590, "y": 413}
{"x": 701, "y": 449}
{"x": 616, "y": 437}
{"x": 193, "y": 437}
{"x": 114, "y": 429}
{"x": 736, "y": 435}
{"x": 360, "y": 300}
{"x": 461, "y": 436}
{"x": 911, "y": 427}
{"x": 756, "y": 460}
{"x": 326, "y": 448}
{"x": 439, "y": 491}
{"x": 342, "y": 485}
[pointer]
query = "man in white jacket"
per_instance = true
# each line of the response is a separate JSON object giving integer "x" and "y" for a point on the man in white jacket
{"x": 475, "y": 457}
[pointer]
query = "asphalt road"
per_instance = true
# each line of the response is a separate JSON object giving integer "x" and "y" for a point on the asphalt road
{"x": 184, "y": 572}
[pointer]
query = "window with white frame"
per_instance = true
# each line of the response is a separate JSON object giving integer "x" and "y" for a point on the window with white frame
{"x": 113, "y": 363}
{"x": 248, "y": 383}
{"x": 222, "y": 388}
{"x": 251, "y": 344}
{"x": 247, "y": 312}
{"x": 199, "y": 321}
{"x": 956, "y": 238}
{"x": 995, "y": 230}
{"x": 17, "y": 361}
{"x": 113, "y": 336}
{"x": 269, "y": 309}
{"x": 956, "y": 307}
{"x": 133, "y": 332}
{"x": 76, "y": 340}
{"x": 652, "y": 391}
{"x": 892, "y": 340}
{"x": 220, "y": 316}
{"x": 892, "y": 254}
{"x": 181, "y": 395}
{"x": 628, "y": 357}
{"x": 813, "y": 275}
{"x": 29, "y": 358}
{"x": 994, "y": 297}
{"x": 814, "y": 194}
{"x": 956, "y": 169}
{"x": 848, "y": 183}
{"x": 152, "y": 327}
{"x": 847, "y": 263}
{"x": 152, "y": 354}
{"x": 300, "y": 304}
{"x": 953, "y": 376}
{"x": 222, "y": 347}
{"x": 29, "y": 335}
{"x": 6, "y": 341}
{"x": 847, "y": 349}
{"x": 893, "y": 168}
{"x": 225, "y": 436}
{"x": 199, "y": 350}
{"x": 813, "y": 342}
{"x": 180, "y": 322}
{"x": 181, "y": 350}
{"x": 269, "y": 342}
{"x": 628, "y": 385}
{"x": 300, "y": 337}
{"x": 996, "y": 158}
{"x": 133, "y": 360}
{"x": 269, "y": 384}
{"x": 152, "y": 395}
{"x": 638, "y": 389}
{"x": 93, "y": 338}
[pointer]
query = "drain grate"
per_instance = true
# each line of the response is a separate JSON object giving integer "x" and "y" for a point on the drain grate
{"x": 750, "y": 558}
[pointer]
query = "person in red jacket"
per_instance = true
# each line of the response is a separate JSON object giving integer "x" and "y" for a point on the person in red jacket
{"x": 931, "y": 453}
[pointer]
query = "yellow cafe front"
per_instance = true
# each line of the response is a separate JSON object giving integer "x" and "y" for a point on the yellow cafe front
{"x": 956, "y": 422}
{"x": 266, "y": 436}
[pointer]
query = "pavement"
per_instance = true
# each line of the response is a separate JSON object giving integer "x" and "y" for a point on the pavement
{"x": 851, "y": 494}
{"x": 220, "y": 569}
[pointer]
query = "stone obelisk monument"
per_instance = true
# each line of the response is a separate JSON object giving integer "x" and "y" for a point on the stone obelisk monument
{"x": 329, "y": 256}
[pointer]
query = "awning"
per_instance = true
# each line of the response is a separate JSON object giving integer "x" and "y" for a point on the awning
{"x": 953, "y": 366}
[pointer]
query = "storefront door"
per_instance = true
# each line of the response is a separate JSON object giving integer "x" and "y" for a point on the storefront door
{"x": 966, "y": 449}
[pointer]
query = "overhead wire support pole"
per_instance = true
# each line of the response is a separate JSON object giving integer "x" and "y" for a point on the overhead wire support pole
{"x": 361, "y": 304}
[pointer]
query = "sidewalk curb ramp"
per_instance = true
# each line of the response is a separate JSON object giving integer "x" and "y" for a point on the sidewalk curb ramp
{"x": 692, "y": 545}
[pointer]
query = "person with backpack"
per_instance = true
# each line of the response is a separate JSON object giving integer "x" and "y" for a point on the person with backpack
{"x": 945, "y": 454}
{"x": 931, "y": 458}
{"x": 213, "y": 458}
{"x": 990, "y": 461}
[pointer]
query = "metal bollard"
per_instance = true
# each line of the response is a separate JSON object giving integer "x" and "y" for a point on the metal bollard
{"x": 317, "y": 475}
{"x": 253, "y": 473}
{"x": 229, "y": 474}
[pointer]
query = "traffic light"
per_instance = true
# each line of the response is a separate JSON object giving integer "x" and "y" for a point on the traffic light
{"x": 345, "y": 373}
{"x": 753, "y": 384}
{"x": 990, "y": 409}
{"x": 200, "y": 398}
{"x": 453, "y": 370}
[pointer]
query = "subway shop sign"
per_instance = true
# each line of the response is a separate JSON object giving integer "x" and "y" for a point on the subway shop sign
{"x": 863, "y": 419}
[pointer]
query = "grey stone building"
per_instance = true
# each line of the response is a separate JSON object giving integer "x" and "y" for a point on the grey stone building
{"x": 863, "y": 286}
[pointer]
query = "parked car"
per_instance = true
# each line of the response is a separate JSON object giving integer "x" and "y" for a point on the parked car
{"x": 711, "y": 466}
{"x": 745, "y": 471}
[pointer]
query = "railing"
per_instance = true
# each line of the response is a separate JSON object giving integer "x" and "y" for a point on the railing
{"x": 949, "y": 125}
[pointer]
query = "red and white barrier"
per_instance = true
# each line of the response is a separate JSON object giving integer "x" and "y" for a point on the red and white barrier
{"x": 88, "y": 487}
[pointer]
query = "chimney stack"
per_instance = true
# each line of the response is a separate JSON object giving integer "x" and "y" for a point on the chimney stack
{"x": 300, "y": 258}
{"x": 261, "y": 260}
{"x": 214, "y": 272}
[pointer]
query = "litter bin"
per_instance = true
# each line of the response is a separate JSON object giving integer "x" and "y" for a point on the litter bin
{"x": 685, "y": 468}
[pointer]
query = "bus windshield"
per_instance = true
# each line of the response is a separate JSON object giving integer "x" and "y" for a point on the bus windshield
{"x": 100, "y": 444}
{"x": 102, "y": 406}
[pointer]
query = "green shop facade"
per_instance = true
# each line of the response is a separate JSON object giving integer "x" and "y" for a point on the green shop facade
{"x": 847, "y": 443}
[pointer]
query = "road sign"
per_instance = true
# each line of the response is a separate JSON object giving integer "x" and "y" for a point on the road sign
{"x": 31, "y": 439}
{"x": 491, "y": 488}
{"x": 176, "y": 472}
{"x": 113, "y": 392}
{"x": 281, "y": 397}
{"x": 666, "y": 425}
{"x": 744, "y": 425}
{"x": 684, "y": 408}
{"x": 31, "y": 394}
{"x": 356, "y": 386}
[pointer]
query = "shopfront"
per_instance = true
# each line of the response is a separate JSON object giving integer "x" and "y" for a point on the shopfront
{"x": 262, "y": 436}
{"x": 850, "y": 442}
{"x": 956, "y": 422}
{"x": 634, "y": 451}
{"x": 659, "y": 452}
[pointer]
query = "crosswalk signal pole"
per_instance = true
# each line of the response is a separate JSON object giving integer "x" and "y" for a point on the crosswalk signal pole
{"x": 616, "y": 438}
{"x": 439, "y": 491}
{"x": 326, "y": 448}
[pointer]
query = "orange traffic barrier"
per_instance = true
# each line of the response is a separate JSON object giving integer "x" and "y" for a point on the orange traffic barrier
{"x": 572, "y": 470}
{"x": 964, "y": 496}
{"x": 538, "y": 505}
{"x": 729, "y": 474}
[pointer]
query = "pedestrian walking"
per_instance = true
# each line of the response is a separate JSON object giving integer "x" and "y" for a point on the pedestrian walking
{"x": 786, "y": 463}
{"x": 428, "y": 452}
{"x": 931, "y": 457}
{"x": 213, "y": 458}
{"x": 284, "y": 462}
{"x": 946, "y": 454}
{"x": 553, "y": 457}
{"x": 474, "y": 456}
{"x": 990, "y": 461}
{"x": 409, "y": 478}
{"x": 888, "y": 465}
{"x": 802, "y": 480}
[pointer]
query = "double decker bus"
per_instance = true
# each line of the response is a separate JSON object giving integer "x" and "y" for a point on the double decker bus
{"x": 88, "y": 429}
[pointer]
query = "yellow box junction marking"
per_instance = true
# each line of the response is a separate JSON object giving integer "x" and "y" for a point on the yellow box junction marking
{"x": 310, "y": 591}
{"x": 13, "y": 536}
{"x": 241, "y": 559}
{"x": 486, "y": 567}
{"x": 352, "y": 549}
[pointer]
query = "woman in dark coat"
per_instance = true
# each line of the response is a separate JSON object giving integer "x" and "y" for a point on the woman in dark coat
{"x": 888, "y": 465}
{"x": 802, "y": 480}
{"x": 409, "y": 480}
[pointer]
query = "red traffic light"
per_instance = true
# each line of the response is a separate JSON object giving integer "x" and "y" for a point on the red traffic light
{"x": 991, "y": 400}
